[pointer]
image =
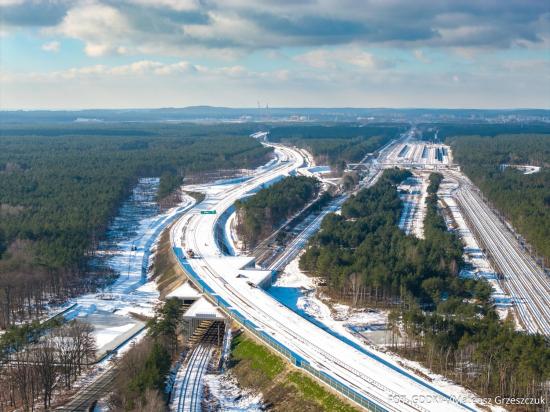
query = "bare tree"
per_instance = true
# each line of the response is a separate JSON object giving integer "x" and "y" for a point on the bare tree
{"x": 151, "y": 402}
{"x": 46, "y": 369}
{"x": 75, "y": 348}
{"x": 23, "y": 376}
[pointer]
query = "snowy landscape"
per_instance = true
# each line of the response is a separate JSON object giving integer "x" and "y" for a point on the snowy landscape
{"x": 115, "y": 311}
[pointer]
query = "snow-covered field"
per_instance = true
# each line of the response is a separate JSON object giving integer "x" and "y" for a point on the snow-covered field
{"x": 480, "y": 267}
{"x": 126, "y": 251}
{"x": 295, "y": 289}
{"x": 413, "y": 193}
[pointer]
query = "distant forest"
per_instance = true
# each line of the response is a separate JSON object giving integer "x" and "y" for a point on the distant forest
{"x": 523, "y": 199}
{"x": 60, "y": 186}
{"x": 446, "y": 130}
{"x": 337, "y": 144}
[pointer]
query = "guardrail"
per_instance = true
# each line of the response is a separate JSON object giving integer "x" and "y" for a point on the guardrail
{"x": 289, "y": 354}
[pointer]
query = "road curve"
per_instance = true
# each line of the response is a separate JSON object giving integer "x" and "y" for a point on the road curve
{"x": 384, "y": 383}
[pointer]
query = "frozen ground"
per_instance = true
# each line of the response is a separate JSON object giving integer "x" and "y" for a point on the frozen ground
{"x": 227, "y": 396}
{"x": 126, "y": 251}
{"x": 365, "y": 328}
{"x": 479, "y": 265}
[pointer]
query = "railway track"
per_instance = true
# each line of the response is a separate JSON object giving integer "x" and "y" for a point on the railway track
{"x": 188, "y": 394}
{"x": 288, "y": 331}
{"x": 294, "y": 247}
{"x": 523, "y": 279}
{"x": 90, "y": 394}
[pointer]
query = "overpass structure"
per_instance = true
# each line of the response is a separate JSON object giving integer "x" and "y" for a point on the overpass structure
{"x": 234, "y": 287}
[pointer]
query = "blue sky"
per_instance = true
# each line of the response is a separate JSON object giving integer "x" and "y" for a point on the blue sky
{"x": 319, "y": 53}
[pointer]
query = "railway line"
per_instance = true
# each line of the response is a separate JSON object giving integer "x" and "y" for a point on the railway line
{"x": 260, "y": 317}
{"x": 385, "y": 385}
{"x": 88, "y": 395}
{"x": 523, "y": 278}
{"x": 188, "y": 393}
{"x": 297, "y": 244}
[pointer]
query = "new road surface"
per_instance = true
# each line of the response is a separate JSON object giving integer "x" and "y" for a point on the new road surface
{"x": 370, "y": 380}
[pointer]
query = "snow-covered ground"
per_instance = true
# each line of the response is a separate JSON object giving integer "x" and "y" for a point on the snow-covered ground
{"x": 223, "y": 390}
{"x": 480, "y": 267}
{"x": 234, "y": 245}
{"x": 526, "y": 169}
{"x": 126, "y": 252}
{"x": 295, "y": 289}
{"x": 413, "y": 193}
{"x": 226, "y": 395}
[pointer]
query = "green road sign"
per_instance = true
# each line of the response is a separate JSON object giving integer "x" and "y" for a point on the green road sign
{"x": 208, "y": 212}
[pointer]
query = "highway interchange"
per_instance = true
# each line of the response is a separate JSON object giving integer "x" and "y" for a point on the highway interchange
{"x": 386, "y": 385}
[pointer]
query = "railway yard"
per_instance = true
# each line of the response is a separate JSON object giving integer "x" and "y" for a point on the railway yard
{"x": 496, "y": 253}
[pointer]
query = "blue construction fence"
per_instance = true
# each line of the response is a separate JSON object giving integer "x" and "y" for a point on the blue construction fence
{"x": 289, "y": 354}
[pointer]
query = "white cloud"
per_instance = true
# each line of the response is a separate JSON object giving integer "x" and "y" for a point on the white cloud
{"x": 178, "y": 5}
{"x": 226, "y": 29}
{"x": 98, "y": 49}
{"x": 152, "y": 83}
{"x": 175, "y": 68}
{"x": 141, "y": 68}
{"x": 102, "y": 28}
{"x": 336, "y": 58}
{"x": 319, "y": 59}
{"x": 363, "y": 59}
{"x": 10, "y": 2}
{"x": 52, "y": 46}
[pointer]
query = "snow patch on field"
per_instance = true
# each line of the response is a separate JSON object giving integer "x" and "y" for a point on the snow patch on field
{"x": 365, "y": 328}
{"x": 297, "y": 291}
{"x": 229, "y": 397}
{"x": 234, "y": 245}
{"x": 413, "y": 193}
{"x": 104, "y": 336}
{"x": 126, "y": 252}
